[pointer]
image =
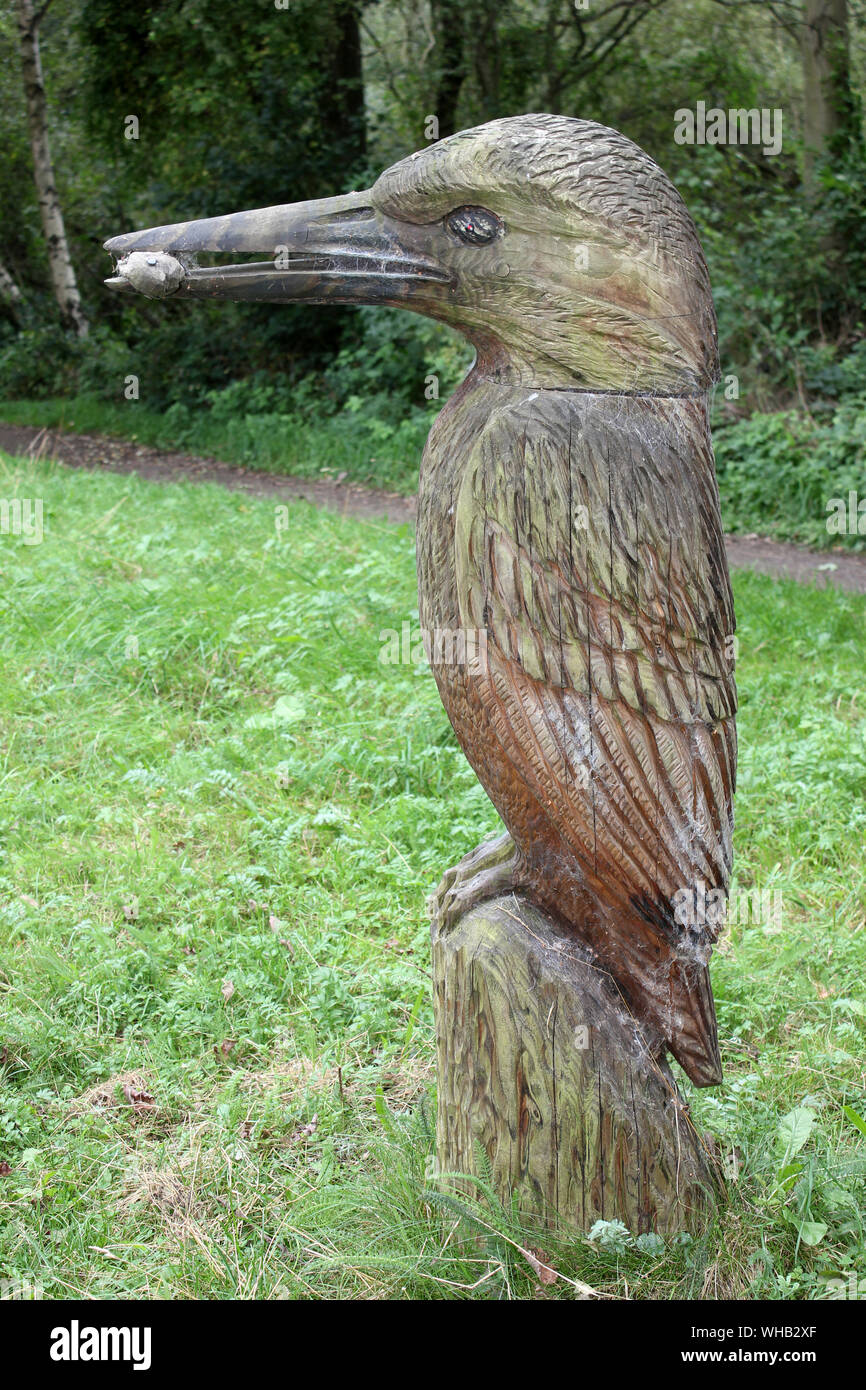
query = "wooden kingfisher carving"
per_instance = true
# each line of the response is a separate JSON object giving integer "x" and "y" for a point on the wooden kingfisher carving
{"x": 568, "y": 510}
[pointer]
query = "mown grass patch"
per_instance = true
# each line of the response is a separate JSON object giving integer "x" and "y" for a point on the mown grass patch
{"x": 221, "y": 815}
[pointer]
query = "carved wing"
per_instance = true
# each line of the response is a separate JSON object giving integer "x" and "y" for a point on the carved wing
{"x": 589, "y": 547}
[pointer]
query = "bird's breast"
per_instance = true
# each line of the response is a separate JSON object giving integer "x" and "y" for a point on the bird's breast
{"x": 580, "y": 532}
{"x": 447, "y": 455}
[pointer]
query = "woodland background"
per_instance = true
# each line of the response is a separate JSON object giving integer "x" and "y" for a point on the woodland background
{"x": 243, "y": 105}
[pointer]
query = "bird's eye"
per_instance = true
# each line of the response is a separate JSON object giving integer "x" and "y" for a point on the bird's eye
{"x": 475, "y": 226}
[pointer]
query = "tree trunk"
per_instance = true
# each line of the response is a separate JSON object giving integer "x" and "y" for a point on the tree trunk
{"x": 342, "y": 111}
{"x": 62, "y": 273}
{"x": 487, "y": 58}
{"x": 829, "y": 107}
{"x": 542, "y": 1067}
{"x": 447, "y": 16}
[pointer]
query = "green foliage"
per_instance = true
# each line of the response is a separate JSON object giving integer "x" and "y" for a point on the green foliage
{"x": 784, "y": 292}
{"x": 778, "y": 473}
{"x": 40, "y": 361}
{"x": 272, "y": 110}
{"x": 364, "y": 415}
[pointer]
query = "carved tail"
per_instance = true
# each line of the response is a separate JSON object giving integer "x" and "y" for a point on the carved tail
{"x": 695, "y": 1040}
{"x": 674, "y": 995}
{"x": 665, "y": 986}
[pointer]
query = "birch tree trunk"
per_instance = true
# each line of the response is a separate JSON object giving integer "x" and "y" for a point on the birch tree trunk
{"x": 62, "y": 274}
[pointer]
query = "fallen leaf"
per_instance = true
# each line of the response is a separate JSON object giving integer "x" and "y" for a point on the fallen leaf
{"x": 140, "y": 1101}
{"x": 228, "y": 990}
{"x": 5, "y": 1170}
{"x": 540, "y": 1265}
{"x": 306, "y": 1131}
{"x": 225, "y": 1047}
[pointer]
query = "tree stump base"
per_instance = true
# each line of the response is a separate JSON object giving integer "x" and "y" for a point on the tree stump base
{"x": 542, "y": 1067}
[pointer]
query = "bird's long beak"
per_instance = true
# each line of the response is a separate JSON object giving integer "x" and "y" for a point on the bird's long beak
{"x": 337, "y": 250}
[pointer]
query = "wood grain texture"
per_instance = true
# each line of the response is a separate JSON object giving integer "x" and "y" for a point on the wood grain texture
{"x": 598, "y": 279}
{"x": 580, "y": 531}
{"x": 541, "y": 1064}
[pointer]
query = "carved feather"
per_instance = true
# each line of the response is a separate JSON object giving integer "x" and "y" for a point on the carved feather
{"x": 587, "y": 545}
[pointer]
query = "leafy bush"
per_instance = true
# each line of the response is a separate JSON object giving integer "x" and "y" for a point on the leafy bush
{"x": 40, "y": 361}
{"x": 778, "y": 472}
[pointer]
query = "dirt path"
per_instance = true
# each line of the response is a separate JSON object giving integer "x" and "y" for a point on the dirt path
{"x": 90, "y": 451}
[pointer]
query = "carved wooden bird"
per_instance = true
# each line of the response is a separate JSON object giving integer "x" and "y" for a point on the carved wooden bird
{"x": 568, "y": 511}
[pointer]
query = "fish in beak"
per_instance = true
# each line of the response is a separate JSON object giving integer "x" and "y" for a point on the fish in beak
{"x": 330, "y": 250}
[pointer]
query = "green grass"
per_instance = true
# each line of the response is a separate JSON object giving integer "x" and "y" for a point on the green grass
{"x": 219, "y": 821}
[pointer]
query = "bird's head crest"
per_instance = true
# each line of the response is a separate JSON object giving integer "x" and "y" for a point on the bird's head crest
{"x": 590, "y": 271}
